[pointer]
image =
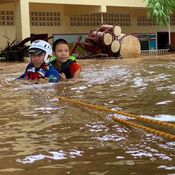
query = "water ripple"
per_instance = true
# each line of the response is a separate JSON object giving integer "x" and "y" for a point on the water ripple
{"x": 56, "y": 155}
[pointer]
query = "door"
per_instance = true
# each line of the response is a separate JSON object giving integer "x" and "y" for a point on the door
{"x": 162, "y": 40}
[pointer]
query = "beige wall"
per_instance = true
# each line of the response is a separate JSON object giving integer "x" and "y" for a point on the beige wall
{"x": 50, "y": 29}
{"x": 8, "y": 31}
{"x": 67, "y": 8}
{"x": 119, "y": 3}
{"x": 126, "y": 3}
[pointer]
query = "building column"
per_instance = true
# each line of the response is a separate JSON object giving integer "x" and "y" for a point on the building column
{"x": 22, "y": 19}
{"x": 103, "y": 8}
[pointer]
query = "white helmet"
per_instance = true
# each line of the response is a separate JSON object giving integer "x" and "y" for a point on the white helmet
{"x": 43, "y": 45}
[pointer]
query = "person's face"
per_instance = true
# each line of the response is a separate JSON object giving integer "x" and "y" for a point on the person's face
{"x": 37, "y": 60}
{"x": 62, "y": 52}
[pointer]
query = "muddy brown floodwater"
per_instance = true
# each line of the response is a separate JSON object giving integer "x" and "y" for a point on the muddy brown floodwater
{"x": 42, "y": 135}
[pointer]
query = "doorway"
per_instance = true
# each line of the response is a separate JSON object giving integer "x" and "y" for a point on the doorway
{"x": 162, "y": 40}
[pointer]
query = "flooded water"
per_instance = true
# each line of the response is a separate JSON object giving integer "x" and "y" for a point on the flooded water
{"x": 43, "y": 135}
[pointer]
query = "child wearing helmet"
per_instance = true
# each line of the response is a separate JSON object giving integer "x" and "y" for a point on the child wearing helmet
{"x": 65, "y": 64}
{"x": 39, "y": 68}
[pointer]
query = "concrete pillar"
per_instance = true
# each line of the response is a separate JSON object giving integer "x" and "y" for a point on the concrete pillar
{"x": 103, "y": 8}
{"x": 22, "y": 19}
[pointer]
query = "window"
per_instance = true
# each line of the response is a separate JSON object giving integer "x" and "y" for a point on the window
{"x": 145, "y": 21}
{"x": 7, "y": 18}
{"x": 95, "y": 19}
{"x": 45, "y": 18}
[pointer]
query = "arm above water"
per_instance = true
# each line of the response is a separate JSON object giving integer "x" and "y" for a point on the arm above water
{"x": 75, "y": 70}
{"x": 21, "y": 76}
{"x": 77, "y": 74}
{"x": 53, "y": 75}
{"x": 24, "y": 74}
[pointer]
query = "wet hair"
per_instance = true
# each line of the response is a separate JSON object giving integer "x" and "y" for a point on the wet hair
{"x": 59, "y": 41}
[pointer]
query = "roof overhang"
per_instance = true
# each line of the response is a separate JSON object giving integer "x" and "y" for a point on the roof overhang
{"x": 6, "y": 1}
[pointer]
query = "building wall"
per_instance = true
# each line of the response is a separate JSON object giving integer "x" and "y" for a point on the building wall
{"x": 7, "y": 30}
{"x": 80, "y": 18}
{"x": 119, "y": 3}
{"x": 50, "y": 29}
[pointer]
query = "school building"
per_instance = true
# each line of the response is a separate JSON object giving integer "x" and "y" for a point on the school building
{"x": 20, "y": 19}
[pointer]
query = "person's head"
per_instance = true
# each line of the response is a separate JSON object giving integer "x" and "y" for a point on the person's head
{"x": 61, "y": 50}
{"x": 39, "y": 52}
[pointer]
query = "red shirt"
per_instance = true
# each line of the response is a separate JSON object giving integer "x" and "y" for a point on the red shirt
{"x": 73, "y": 68}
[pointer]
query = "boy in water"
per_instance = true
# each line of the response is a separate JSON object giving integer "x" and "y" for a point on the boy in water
{"x": 63, "y": 63}
{"x": 39, "y": 68}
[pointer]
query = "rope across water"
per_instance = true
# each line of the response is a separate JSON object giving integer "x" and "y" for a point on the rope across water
{"x": 105, "y": 109}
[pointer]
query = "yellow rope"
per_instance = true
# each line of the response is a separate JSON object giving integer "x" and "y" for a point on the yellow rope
{"x": 105, "y": 109}
{"x": 150, "y": 130}
{"x": 101, "y": 108}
